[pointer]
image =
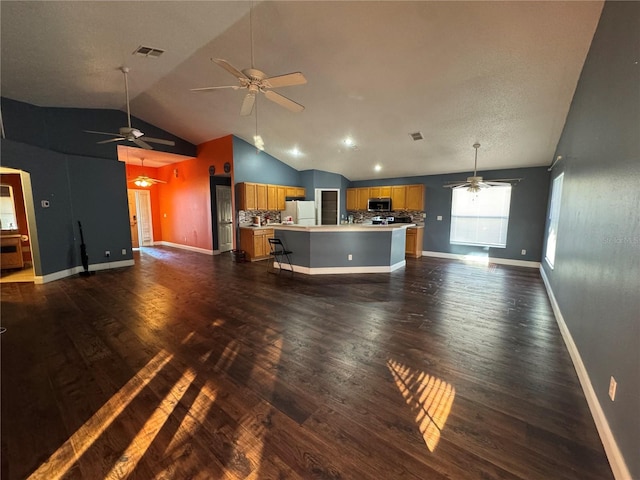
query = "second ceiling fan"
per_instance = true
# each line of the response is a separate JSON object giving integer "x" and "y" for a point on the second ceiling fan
{"x": 255, "y": 81}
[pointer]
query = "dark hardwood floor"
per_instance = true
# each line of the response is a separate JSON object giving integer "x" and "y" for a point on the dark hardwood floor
{"x": 189, "y": 366}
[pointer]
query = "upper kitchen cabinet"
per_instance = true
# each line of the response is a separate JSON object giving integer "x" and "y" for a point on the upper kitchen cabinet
{"x": 414, "y": 197}
{"x": 352, "y": 199}
{"x": 379, "y": 192}
{"x": 260, "y": 196}
{"x": 399, "y": 197}
{"x": 363, "y": 198}
{"x": 247, "y": 199}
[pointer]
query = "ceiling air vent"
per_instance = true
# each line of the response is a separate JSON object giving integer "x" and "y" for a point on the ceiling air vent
{"x": 416, "y": 136}
{"x": 148, "y": 51}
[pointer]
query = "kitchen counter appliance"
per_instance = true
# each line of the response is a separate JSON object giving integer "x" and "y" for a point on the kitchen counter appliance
{"x": 379, "y": 205}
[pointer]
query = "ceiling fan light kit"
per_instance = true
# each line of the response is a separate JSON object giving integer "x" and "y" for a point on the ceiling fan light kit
{"x": 476, "y": 183}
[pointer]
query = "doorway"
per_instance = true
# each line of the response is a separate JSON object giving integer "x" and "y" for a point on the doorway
{"x": 224, "y": 215}
{"x": 140, "y": 218}
{"x": 328, "y": 205}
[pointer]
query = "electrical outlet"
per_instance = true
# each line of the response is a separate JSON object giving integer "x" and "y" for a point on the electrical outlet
{"x": 350, "y": 257}
{"x": 439, "y": 218}
{"x": 124, "y": 251}
{"x": 612, "y": 388}
{"x": 523, "y": 252}
{"x": 107, "y": 253}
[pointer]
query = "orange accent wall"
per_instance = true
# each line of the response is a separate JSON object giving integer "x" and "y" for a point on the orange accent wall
{"x": 132, "y": 172}
{"x": 185, "y": 200}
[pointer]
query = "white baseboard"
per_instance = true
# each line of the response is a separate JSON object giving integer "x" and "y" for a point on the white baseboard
{"x": 616, "y": 460}
{"x": 40, "y": 279}
{"x": 482, "y": 260}
{"x": 342, "y": 270}
{"x": 186, "y": 247}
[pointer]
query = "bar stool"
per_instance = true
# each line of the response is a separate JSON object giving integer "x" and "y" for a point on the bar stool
{"x": 277, "y": 252}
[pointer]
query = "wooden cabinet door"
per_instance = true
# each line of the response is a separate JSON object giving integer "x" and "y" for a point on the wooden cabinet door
{"x": 291, "y": 191}
{"x": 352, "y": 199}
{"x": 410, "y": 247}
{"x": 363, "y": 198}
{"x": 258, "y": 245}
{"x": 398, "y": 197}
{"x": 272, "y": 197}
{"x": 261, "y": 196}
{"x": 300, "y": 192}
{"x": 248, "y": 191}
{"x": 281, "y": 193}
{"x": 267, "y": 247}
{"x": 415, "y": 197}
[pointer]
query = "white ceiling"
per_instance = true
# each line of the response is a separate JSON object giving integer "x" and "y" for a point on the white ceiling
{"x": 498, "y": 73}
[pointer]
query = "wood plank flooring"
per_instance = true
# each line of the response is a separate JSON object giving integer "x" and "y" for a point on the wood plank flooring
{"x": 195, "y": 367}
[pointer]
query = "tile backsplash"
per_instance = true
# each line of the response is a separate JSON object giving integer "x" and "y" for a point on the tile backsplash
{"x": 360, "y": 216}
{"x": 246, "y": 216}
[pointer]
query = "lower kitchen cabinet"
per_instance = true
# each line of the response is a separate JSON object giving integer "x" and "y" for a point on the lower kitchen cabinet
{"x": 255, "y": 242}
{"x": 413, "y": 247}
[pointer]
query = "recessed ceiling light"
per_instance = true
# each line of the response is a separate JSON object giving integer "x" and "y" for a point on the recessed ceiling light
{"x": 295, "y": 152}
{"x": 349, "y": 142}
{"x": 377, "y": 167}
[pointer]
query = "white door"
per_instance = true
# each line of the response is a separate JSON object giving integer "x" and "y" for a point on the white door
{"x": 145, "y": 225}
{"x": 225, "y": 218}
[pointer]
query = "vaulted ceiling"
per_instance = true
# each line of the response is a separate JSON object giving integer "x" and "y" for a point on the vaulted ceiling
{"x": 498, "y": 73}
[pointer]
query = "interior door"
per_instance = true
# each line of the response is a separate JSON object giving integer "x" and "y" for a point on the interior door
{"x": 145, "y": 226}
{"x": 133, "y": 218}
{"x": 329, "y": 207}
{"x": 224, "y": 214}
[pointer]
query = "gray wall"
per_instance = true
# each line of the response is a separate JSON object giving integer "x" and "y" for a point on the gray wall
{"x": 92, "y": 190}
{"x": 312, "y": 179}
{"x": 526, "y": 218}
{"x": 596, "y": 275}
{"x": 82, "y": 180}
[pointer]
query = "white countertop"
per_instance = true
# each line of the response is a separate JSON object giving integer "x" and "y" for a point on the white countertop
{"x": 353, "y": 227}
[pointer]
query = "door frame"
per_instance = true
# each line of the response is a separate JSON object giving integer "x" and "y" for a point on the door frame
{"x": 150, "y": 216}
{"x": 318, "y": 196}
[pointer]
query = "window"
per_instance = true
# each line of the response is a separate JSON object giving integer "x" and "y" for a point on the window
{"x": 8, "y": 219}
{"x": 552, "y": 219}
{"x": 480, "y": 218}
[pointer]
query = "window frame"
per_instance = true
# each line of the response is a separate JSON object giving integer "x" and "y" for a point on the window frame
{"x": 553, "y": 219}
{"x": 13, "y": 207}
{"x": 470, "y": 197}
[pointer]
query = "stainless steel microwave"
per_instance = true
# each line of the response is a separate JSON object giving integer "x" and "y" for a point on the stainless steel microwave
{"x": 379, "y": 205}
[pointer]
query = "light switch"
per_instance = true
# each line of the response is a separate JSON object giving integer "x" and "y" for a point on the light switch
{"x": 439, "y": 218}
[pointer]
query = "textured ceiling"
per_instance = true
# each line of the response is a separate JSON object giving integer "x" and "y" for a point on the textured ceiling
{"x": 498, "y": 73}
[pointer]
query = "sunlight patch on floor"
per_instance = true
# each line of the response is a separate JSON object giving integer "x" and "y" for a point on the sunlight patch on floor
{"x": 430, "y": 398}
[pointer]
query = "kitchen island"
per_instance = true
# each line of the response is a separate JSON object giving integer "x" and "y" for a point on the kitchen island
{"x": 335, "y": 249}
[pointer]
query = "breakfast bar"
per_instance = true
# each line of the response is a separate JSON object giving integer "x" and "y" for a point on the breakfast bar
{"x": 336, "y": 249}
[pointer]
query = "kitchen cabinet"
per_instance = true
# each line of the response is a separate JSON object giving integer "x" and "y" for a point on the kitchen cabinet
{"x": 272, "y": 197}
{"x": 281, "y": 193}
{"x": 352, "y": 199}
{"x": 261, "y": 196}
{"x": 247, "y": 196}
{"x": 255, "y": 242}
{"x": 399, "y": 197}
{"x": 415, "y": 197}
{"x": 363, "y": 198}
{"x": 379, "y": 192}
{"x": 415, "y": 236}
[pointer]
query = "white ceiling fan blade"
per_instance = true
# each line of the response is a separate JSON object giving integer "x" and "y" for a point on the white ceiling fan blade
{"x": 283, "y": 101}
{"x": 142, "y": 144}
{"x": 206, "y": 89}
{"x": 287, "y": 80}
{"x": 111, "y": 140}
{"x": 155, "y": 180}
{"x": 462, "y": 185}
{"x": 161, "y": 141}
{"x": 103, "y": 133}
{"x": 247, "y": 104}
{"x": 229, "y": 68}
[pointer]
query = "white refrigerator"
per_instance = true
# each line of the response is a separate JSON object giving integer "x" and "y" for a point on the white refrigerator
{"x": 301, "y": 212}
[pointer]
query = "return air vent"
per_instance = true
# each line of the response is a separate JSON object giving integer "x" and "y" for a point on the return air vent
{"x": 148, "y": 51}
{"x": 416, "y": 136}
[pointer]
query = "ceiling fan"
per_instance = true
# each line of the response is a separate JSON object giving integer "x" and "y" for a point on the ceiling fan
{"x": 255, "y": 81}
{"x": 144, "y": 180}
{"x": 475, "y": 183}
{"x": 128, "y": 133}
